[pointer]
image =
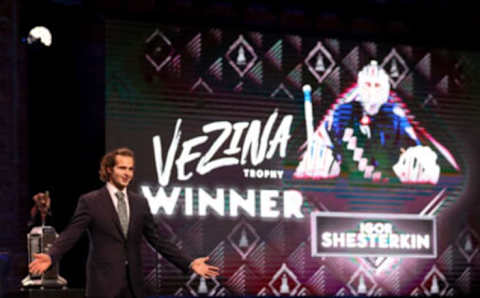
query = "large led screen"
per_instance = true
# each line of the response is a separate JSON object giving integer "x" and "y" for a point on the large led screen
{"x": 302, "y": 165}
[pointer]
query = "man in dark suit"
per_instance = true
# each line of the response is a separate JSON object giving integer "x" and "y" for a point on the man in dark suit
{"x": 116, "y": 221}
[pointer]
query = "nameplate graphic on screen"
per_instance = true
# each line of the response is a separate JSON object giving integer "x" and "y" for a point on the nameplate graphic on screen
{"x": 352, "y": 234}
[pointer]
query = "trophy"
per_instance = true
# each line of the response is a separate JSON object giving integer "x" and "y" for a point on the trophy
{"x": 39, "y": 240}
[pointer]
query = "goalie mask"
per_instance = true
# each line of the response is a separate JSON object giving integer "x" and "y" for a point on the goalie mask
{"x": 374, "y": 87}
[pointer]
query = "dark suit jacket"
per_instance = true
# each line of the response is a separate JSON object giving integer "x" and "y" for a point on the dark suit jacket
{"x": 109, "y": 251}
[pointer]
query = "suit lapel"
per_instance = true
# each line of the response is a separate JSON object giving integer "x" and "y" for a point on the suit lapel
{"x": 111, "y": 211}
{"x": 131, "y": 205}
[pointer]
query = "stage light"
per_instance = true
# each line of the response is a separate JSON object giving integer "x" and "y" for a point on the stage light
{"x": 41, "y": 35}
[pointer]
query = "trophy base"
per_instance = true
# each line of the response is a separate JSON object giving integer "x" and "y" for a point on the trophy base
{"x": 29, "y": 282}
{"x": 40, "y": 240}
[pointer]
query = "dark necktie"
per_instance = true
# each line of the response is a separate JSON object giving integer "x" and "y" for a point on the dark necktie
{"x": 122, "y": 212}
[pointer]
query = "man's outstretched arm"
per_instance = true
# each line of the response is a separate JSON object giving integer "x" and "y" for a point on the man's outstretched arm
{"x": 172, "y": 253}
{"x": 67, "y": 239}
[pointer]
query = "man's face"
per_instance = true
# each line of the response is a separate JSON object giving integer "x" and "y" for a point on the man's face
{"x": 122, "y": 173}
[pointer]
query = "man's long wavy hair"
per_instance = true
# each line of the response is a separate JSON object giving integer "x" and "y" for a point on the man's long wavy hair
{"x": 108, "y": 162}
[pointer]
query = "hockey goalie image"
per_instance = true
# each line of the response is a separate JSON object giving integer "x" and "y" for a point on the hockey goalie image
{"x": 369, "y": 133}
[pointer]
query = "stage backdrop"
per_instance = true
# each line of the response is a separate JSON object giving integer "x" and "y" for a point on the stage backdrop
{"x": 301, "y": 165}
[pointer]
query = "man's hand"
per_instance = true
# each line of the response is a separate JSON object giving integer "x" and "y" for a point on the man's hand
{"x": 201, "y": 268}
{"x": 40, "y": 264}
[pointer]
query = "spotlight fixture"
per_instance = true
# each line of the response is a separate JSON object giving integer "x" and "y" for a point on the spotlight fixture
{"x": 39, "y": 35}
